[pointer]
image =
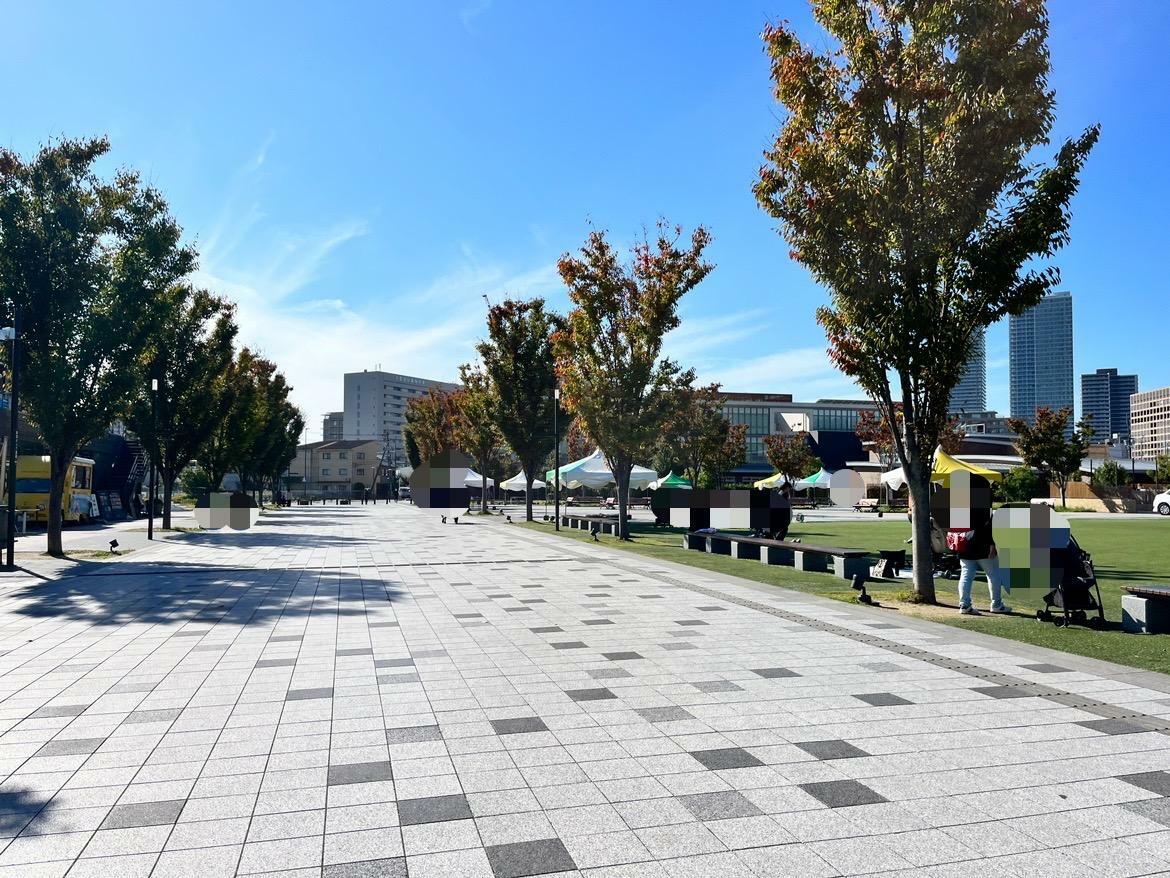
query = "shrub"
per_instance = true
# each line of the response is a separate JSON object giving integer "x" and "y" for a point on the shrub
{"x": 1109, "y": 475}
{"x": 1021, "y": 484}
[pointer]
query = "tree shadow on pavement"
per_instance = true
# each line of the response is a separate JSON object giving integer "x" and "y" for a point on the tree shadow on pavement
{"x": 17, "y": 808}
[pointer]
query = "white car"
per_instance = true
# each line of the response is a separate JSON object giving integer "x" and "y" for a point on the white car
{"x": 1162, "y": 503}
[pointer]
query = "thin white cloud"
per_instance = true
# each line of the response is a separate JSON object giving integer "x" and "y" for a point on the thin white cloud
{"x": 803, "y": 372}
{"x": 697, "y": 336}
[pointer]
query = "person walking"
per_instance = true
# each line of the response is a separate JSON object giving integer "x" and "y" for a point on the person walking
{"x": 976, "y": 550}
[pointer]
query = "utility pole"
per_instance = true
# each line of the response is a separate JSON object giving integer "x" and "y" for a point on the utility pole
{"x": 556, "y": 462}
{"x": 154, "y": 432}
{"x": 13, "y": 335}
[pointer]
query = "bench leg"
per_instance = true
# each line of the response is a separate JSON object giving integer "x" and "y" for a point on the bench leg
{"x": 847, "y": 568}
{"x": 810, "y": 562}
{"x": 1145, "y": 615}
{"x": 745, "y": 550}
{"x": 719, "y": 547}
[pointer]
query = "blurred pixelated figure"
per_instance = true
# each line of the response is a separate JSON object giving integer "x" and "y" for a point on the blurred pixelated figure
{"x": 960, "y": 511}
{"x": 439, "y": 484}
{"x": 1032, "y": 545}
{"x": 846, "y": 488}
{"x": 758, "y": 510}
{"x": 217, "y": 510}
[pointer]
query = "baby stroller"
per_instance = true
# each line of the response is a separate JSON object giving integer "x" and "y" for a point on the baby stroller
{"x": 1077, "y": 593}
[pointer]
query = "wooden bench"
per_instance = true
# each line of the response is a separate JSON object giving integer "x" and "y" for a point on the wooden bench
{"x": 1145, "y": 609}
{"x": 866, "y": 504}
{"x": 846, "y": 563}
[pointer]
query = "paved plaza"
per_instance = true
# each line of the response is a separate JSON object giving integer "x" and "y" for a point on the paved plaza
{"x": 361, "y": 691}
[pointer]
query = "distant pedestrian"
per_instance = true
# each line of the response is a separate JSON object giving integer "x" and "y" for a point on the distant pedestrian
{"x": 976, "y": 550}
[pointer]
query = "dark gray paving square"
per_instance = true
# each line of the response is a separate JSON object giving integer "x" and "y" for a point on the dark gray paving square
{"x": 276, "y": 663}
{"x": 609, "y": 673}
{"x": 712, "y": 609}
{"x": 517, "y": 609}
{"x": 674, "y": 647}
{"x": 597, "y": 594}
{"x": 842, "y": 793}
{"x": 546, "y": 629}
{"x": 144, "y": 814}
{"x": 164, "y": 714}
{"x": 533, "y": 601}
{"x": 192, "y": 632}
{"x": 882, "y": 667}
{"x": 568, "y": 644}
{"x": 468, "y": 615}
{"x": 882, "y": 699}
{"x": 774, "y": 673}
{"x": 394, "y": 867}
{"x": 590, "y": 694}
{"x": 356, "y": 651}
{"x": 413, "y": 734}
{"x": 523, "y": 858}
{"x": 359, "y": 772}
{"x": 881, "y": 625}
{"x": 383, "y": 625}
{"x": 519, "y": 725}
{"x": 307, "y": 694}
{"x": 59, "y": 710}
{"x": 690, "y": 622}
{"x": 663, "y": 714}
{"x": 831, "y": 749}
{"x": 717, "y": 686}
{"x": 1157, "y": 810}
{"x": 70, "y": 747}
{"x": 394, "y": 663}
{"x": 719, "y": 805}
{"x": 1003, "y": 691}
{"x": 1045, "y": 668}
{"x": 396, "y": 679}
{"x": 651, "y": 597}
{"x": 430, "y": 653}
{"x": 597, "y": 621}
{"x": 286, "y": 638}
{"x": 1154, "y": 781}
{"x": 433, "y": 809}
{"x": 726, "y": 757}
{"x": 1114, "y": 726}
{"x": 622, "y": 656}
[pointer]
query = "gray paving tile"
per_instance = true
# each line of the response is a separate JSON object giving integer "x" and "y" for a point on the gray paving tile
{"x": 726, "y": 757}
{"x": 774, "y": 673}
{"x": 59, "y": 710}
{"x": 1003, "y": 691}
{"x": 826, "y": 750}
{"x": 524, "y": 858}
{"x": 394, "y": 663}
{"x": 144, "y": 814}
{"x": 842, "y": 793}
{"x": 433, "y": 809}
{"x": 546, "y": 629}
{"x": 883, "y": 699}
{"x": 610, "y": 674}
{"x": 722, "y": 805}
{"x": 429, "y": 653}
{"x": 1157, "y": 810}
{"x": 691, "y": 622}
{"x": 518, "y": 725}
{"x": 276, "y": 663}
{"x": 394, "y": 867}
{"x": 568, "y": 644}
{"x": 717, "y": 686}
{"x": 359, "y": 772}
{"x": 384, "y": 624}
{"x": 1045, "y": 668}
{"x": 154, "y": 716}
{"x": 590, "y": 694}
{"x": 597, "y": 621}
{"x": 663, "y": 714}
{"x": 397, "y": 679}
{"x": 286, "y": 638}
{"x": 308, "y": 694}
{"x": 413, "y": 734}
{"x": 1154, "y": 781}
{"x": 1114, "y": 726}
{"x": 622, "y": 656}
{"x": 70, "y": 747}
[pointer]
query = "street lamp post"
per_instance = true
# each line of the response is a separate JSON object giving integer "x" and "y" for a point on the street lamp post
{"x": 12, "y": 334}
{"x": 305, "y": 481}
{"x": 556, "y": 462}
{"x": 154, "y": 432}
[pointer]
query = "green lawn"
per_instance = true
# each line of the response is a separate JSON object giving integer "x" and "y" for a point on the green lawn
{"x": 1124, "y": 550}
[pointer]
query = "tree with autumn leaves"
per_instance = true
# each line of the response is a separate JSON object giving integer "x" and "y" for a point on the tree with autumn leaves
{"x": 791, "y": 455}
{"x": 700, "y": 438}
{"x": 609, "y": 356}
{"x": 903, "y": 179}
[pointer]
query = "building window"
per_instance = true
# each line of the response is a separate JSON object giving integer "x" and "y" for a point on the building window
{"x": 344, "y": 471}
{"x": 342, "y": 455}
{"x": 325, "y": 471}
{"x": 360, "y": 455}
{"x": 325, "y": 455}
{"x": 360, "y": 471}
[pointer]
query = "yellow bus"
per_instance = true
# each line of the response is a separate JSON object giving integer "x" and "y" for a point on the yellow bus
{"x": 32, "y": 489}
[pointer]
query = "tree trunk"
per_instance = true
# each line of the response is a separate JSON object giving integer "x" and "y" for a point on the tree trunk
{"x": 168, "y": 481}
{"x": 623, "y": 488}
{"x": 57, "y": 474}
{"x": 923, "y": 557}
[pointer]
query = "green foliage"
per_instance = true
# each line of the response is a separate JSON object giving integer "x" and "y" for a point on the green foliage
{"x": 194, "y": 481}
{"x": 412, "y": 453}
{"x": 475, "y": 429}
{"x": 187, "y": 352}
{"x": 431, "y": 421}
{"x": 518, "y": 357}
{"x": 608, "y": 356}
{"x": 1162, "y": 469}
{"x": 902, "y": 181}
{"x": 1110, "y": 474}
{"x": 1020, "y": 484}
{"x": 791, "y": 455}
{"x": 1045, "y": 447}
{"x": 698, "y": 440}
{"x": 84, "y": 267}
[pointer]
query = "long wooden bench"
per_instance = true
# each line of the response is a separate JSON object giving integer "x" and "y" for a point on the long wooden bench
{"x": 1145, "y": 609}
{"x": 846, "y": 563}
{"x": 604, "y": 524}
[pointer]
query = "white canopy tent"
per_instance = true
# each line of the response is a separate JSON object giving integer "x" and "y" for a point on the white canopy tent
{"x": 594, "y": 472}
{"x": 475, "y": 480}
{"x": 819, "y": 479}
{"x": 517, "y": 483}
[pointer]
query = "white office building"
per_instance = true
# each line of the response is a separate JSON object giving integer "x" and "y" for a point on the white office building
{"x": 375, "y": 406}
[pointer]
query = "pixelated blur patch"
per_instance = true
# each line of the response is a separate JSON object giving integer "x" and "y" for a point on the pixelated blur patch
{"x": 1032, "y": 544}
{"x": 846, "y": 488}
{"x": 219, "y": 510}
{"x": 755, "y": 509}
{"x": 966, "y": 501}
{"x": 438, "y": 483}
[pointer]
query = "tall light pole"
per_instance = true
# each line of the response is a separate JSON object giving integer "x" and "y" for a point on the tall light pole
{"x": 157, "y": 444}
{"x": 12, "y": 334}
{"x": 305, "y": 481}
{"x": 556, "y": 462}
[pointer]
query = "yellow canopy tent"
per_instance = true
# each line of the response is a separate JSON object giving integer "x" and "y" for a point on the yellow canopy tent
{"x": 773, "y": 481}
{"x": 944, "y": 465}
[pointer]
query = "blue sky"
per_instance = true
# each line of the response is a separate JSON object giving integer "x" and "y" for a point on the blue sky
{"x": 357, "y": 175}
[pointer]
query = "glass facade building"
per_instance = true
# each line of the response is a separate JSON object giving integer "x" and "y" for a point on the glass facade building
{"x": 970, "y": 394}
{"x": 1041, "y": 353}
{"x": 1105, "y": 398}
